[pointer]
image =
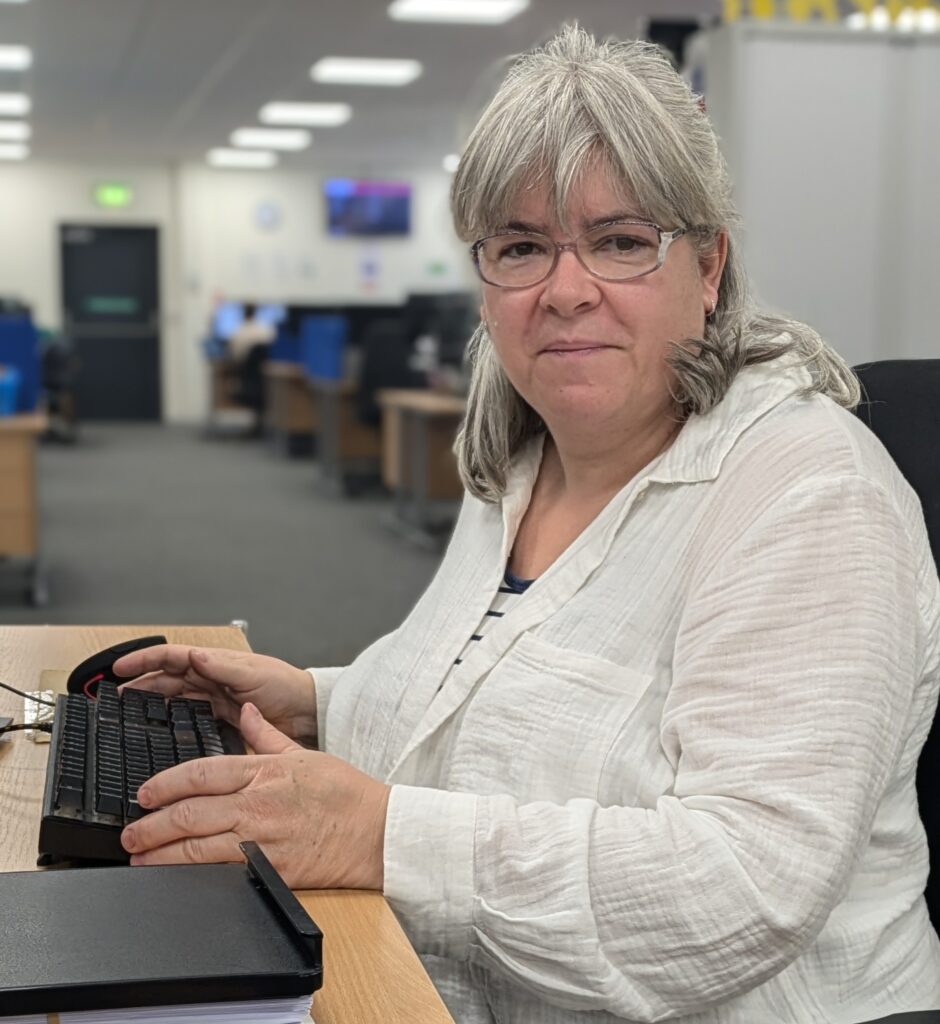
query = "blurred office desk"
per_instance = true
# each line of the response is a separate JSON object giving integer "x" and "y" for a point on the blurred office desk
{"x": 372, "y": 975}
{"x": 19, "y": 506}
{"x": 347, "y": 448}
{"x": 418, "y": 462}
{"x": 224, "y": 385}
{"x": 291, "y": 415}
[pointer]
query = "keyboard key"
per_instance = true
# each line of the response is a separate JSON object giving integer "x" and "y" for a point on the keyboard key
{"x": 109, "y": 803}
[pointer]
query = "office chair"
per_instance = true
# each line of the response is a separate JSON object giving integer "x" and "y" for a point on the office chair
{"x": 386, "y": 350}
{"x": 901, "y": 404}
{"x": 250, "y": 391}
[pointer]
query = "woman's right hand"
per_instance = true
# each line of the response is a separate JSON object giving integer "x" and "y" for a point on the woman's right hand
{"x": 285, "y": 695}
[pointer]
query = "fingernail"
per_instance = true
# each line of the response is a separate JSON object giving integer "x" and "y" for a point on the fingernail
{"x": 143, "y": 796}
{"x": 252, "y": 710}
{"x": 128, "y": 839}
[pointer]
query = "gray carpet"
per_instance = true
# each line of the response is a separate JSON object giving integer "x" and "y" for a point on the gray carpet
{"x": 159, "y": 525}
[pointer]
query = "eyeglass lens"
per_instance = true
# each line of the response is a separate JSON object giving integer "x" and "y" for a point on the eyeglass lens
{"x": 616, "y": 252}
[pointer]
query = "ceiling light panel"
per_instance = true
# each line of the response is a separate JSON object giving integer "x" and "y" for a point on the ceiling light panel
{"x": 13, "y": 151}
{"x": 308, "y": 115}
{"x": 271, "y": 138}
{"x": 255, "y": 159}
{"x": 365, "y": 71}
{"x": 14, "y": 131}
{"x": 14, "y": 104}
{"x": 15, "y": 58}
{"x": 451, "y": 162}
{"x": 468, "y": 12}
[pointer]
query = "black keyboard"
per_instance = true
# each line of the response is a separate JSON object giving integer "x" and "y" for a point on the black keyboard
{"x": 103, "y": 750}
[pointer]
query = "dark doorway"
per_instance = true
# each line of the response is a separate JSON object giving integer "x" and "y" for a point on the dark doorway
{"x": 111, "y": 312}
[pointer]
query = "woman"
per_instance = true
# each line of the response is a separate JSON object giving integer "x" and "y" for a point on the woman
{"x": 646, "y": 746}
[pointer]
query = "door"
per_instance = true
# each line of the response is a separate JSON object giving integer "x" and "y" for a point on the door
{"x": 111, "y": 313}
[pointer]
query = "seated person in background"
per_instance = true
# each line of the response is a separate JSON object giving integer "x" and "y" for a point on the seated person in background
{"x": 645, "y": 748}
{"x": 248, "y": 346}
{"x": 250, "y": 332}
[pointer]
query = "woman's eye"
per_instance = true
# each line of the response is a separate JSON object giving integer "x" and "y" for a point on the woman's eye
{"x": 519, "y": 250}
{"x": 621, "y": 243}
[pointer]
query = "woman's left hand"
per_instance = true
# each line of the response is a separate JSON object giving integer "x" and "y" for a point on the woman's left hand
{"x": 319, "y": 821}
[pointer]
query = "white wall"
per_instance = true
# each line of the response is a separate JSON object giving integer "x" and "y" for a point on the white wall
{"x": 833, "y": 144}
{"x": 213, "y": 245}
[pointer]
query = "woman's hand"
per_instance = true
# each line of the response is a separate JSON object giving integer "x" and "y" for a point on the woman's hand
{"x": 319, "y": 821}
{"x": 285, "y": 695}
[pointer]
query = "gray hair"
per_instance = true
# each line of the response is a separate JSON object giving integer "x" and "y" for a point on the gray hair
{"x": 576, "y": 103}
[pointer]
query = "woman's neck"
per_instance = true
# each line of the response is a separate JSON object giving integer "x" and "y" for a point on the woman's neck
{"x": 579, "y": 467}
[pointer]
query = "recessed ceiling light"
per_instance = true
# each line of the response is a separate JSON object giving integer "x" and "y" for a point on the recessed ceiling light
{"x": 929, "y": 19}
{"x": 254, "y": 158}
{"x": 310, "y": 115}
{"x": 451, "y": 162}
{"x": 14, "y": 104}
{"x": 271, "y": 138}
{"x": 14, "y": 131}
{"x": 879, "y": 19}
{"x": 365, "y": 71}
{"x": 482, "y": 12}
{"x": 857, "y": 20}
{"x": 15, "y": 58}
{"x": 13, "y": 151}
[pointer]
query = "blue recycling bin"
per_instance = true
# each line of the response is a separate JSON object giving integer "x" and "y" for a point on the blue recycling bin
{"x": 9, "y": 389}
{"x": 322, "y": 345}
{"x": 19, "y": 349}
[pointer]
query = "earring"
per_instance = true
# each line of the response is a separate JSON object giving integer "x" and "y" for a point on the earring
{"x": 711, "y": 312}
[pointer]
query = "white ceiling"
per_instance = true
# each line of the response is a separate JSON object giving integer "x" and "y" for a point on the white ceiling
{"x": 165, "y": 80}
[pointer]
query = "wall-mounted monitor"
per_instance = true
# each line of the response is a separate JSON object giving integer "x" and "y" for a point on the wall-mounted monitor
{"x": 367, "y": 207}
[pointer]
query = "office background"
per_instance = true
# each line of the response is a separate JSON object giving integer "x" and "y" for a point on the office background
{"x": 829, "y": 127}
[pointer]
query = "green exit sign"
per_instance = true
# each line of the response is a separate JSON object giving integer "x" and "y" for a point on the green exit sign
{"x": 113, "y": 196}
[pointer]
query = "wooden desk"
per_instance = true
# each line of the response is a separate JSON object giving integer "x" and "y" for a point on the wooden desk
{"x": 223, "y": 385}
{"x": 291, "y": 414}
{"x": 19, "y": 506}
{"x": 418, "y": 462}
{"x": 346, "y": 447}
{"x": 372, "y": 975}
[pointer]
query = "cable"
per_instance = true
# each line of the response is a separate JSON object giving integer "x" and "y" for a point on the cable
{"x": 40, "y": 727}
{"x": 20, "y": 693}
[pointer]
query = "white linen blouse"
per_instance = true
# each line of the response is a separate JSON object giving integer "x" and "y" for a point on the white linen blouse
{"x": 677, "y": 779}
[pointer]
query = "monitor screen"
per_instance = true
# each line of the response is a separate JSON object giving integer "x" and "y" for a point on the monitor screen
{"x": 367, "y": 207}
{"x": 227, "y": 319}
{"x": 271, "y": 313}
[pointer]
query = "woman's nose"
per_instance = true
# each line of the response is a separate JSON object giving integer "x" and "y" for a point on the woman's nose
{"x": 569, "y": 289}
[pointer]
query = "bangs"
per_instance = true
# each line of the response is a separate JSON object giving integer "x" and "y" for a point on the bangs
{"x": 554, "y": 120}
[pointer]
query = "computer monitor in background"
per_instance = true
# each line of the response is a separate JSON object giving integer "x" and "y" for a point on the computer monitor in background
{"x": 451, "y": 317}
{"x": 226, "y": 319}
{"x": 271, "y": 313}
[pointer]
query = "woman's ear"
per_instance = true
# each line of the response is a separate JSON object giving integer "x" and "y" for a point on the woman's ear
{"x": 712, "y": 266}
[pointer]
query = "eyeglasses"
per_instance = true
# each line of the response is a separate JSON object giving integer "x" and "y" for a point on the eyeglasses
{"x": 618, "y": 251}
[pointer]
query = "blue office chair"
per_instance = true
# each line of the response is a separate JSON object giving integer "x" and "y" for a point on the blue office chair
{"x": 901, "y": 404}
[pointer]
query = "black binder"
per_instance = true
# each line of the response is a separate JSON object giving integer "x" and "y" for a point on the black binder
{"x": 113, "y": 937}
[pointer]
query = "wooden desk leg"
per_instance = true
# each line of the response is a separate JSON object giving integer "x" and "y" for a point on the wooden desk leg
{"x": 419, "y": 471}
{"x": 403, "y": 483}
{"x": 330, "y": 467}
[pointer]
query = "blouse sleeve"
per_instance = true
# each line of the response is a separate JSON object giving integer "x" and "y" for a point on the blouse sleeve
{"x": 794, "y": 674}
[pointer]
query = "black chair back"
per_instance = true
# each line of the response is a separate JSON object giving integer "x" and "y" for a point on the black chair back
{"x": 901, "y": 404}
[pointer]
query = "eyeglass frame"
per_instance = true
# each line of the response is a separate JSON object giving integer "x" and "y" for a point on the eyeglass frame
{"x": 666, "y": 238}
